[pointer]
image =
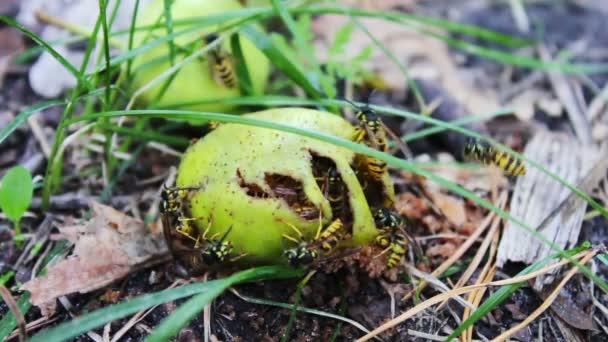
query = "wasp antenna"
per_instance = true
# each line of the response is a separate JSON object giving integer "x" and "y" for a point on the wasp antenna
{"x": 351, "y": 103}
{"x": 289, "y": 238}
{"x": 226, "y": 234}
{"x": 320, "y": 225}
{"x": 292, "y": 227}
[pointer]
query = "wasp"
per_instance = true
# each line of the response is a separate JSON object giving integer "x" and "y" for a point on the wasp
{"x": 333, "y": 188}
{"x": 222, "y": 65}
{"x": 393, "y": 235}
{"x": 324, "y": 242}
{"x": 171, "y": 209}
{"x": 215, "y": 251}
{"x": 207, "y": 251}
{"x": 372, "y": 132}
{"x": 488, "y": 155}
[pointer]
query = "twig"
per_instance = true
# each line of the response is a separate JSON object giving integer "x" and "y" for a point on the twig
{"x": 598, "y": 104}
{"x": 475, "y": 298}
{"x": 301, "y": 309}
{"x": 136, "y": 318}
{"x": 39, "y": 135}
{"x": 42, "y": 321}
{"x": 50, "y": 19}
{"x": 206, "y": 316}
{"x": 459, "y": 291}
{"x": 73, "y": 201}
{"x": 457, "y": 254}
{"x": 482, "y": 250}
{"x": 565, "y": 90}
{"x": 12, "y": 305}
{"x": 546, "y": 304}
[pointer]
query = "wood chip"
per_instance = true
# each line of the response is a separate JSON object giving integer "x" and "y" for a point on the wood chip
{"x": 538, "y": 196}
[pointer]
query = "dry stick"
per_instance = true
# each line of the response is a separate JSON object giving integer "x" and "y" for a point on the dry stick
{"x": 489, "y": 268}
{"x": 466, "y": 275}
{"x": 486, "y": 275}
{"x": 484, "y": 245}
{"x": 455, "y": 292}
{"x": 475, "y": 298}
{"x": 39, "y": 135}
{"x": 206, "y": 315}
{"x": 546, "y": 304}
{"x": 456, "y": 256}
{"x": 50, "y": 19}
{"x": 40, "y": 322}
{"x": 141, "y": 315}
{"x": 12, "y": 305}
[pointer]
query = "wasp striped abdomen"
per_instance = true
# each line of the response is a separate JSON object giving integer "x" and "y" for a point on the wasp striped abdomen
{"x": 331, "y": 235}
{"x": 225, "y": 72}
{"x": 488, "y": 155}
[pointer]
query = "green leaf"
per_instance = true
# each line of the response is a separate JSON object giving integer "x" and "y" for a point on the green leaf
{"x": 66, "y": 64}
{"x": 276, "y": 56}
{"x": 341, "y": 38}
{"x": 8, "y": 323}
{"x": 16, "y": 192}
{"x": 13, "y": 125}
{"x": 242, "y": 73}
{"x": 97, "y": 318}
{"x": 185, "y": 313}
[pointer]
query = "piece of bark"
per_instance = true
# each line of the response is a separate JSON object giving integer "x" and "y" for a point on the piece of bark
{"x": 542, "y": 202}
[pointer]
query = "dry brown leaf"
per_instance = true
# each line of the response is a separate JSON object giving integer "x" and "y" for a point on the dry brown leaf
{"x": 452, "y": 207}
{"x": 107, "y": 248}
{"x": 444, "y": 250}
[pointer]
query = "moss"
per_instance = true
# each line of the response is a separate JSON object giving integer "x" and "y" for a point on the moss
{"x": 194, "y": 81}
{"x": 234, "y": 163}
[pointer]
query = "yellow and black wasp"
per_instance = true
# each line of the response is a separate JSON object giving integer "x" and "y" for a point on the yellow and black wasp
{"x": 333, "y": 189}
{"x": 180, "y": 233}
{"x": 393, "y": 235}
{"x": 488, "y": 155}
{"x": 324, "y": 242}
{"x": 222, "y": 64}
{"x": 172, "y": 211}
{"x": 216, "y": 251}
{"x": 373, "y": 133}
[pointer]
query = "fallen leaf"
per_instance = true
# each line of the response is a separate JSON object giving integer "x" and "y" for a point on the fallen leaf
{"x": 444, "y": 250}
{"x": 107, "y": 247}
{"x": 574, "y": 306}
{"x": 452, "y": 207}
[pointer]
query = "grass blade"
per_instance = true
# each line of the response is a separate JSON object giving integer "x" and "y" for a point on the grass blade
{"x": 8, "y": 323}
{"x": 266, "y": 45}
{"x": 17, "y": 121}
{"x": 417, "y": 22}
{"x": 185, "y": 313}
{"x": 146, "y": 135}
{"x": 242, "y": 73}
{"x": 298, "y": 37}
{"x": 505, "y": 291}
{"x": 66, "y": 64}
{"x": 97, "y": 318}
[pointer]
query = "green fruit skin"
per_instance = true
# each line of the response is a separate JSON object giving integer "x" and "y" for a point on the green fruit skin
{"x": 258, "y": 224}
{"x": 194, "y": 81}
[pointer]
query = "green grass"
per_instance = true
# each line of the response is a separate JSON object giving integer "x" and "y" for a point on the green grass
{"x": 103, "y": 93}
